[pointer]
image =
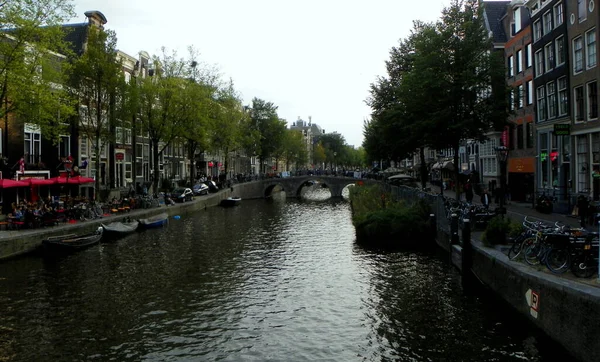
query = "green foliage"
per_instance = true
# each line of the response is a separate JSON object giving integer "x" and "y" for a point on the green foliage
{"x": 32, "y": 62}
{"x": 497, "y": 230}
{"x": 381, "y": 221}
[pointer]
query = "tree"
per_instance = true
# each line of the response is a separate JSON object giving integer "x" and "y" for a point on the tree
{"x": 269, "y": 127}
{"x": 94, "y": 78}
{"x": 32, "y": 63}
{"x": 294, "y": 149}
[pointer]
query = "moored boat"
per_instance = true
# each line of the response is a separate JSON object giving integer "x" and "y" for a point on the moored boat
{"x": 121, "y": 228}
{"x": 71, "y": 242}
{"x": 231, "y": 201}
{"x": 155, "y": 221}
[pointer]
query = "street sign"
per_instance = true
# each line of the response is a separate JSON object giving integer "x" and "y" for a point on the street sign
{"x": 562, "y": 129}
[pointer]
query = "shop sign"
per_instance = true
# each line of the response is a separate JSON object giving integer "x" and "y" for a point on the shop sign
{"x": 119, "y": 156}
{"x": 562, "y": 129}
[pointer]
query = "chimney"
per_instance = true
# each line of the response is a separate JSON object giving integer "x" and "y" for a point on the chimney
{"x": 309, "y": 120}
{"x": 96, "y": 18}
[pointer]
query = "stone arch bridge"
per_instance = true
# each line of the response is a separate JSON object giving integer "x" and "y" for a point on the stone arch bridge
{"x": 293, "y": 185}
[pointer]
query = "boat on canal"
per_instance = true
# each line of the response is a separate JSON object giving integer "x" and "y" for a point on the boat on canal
{"x": 154, "y": 221}
{"x": 72, "y": 242}
{"x": 119, "y": 228}
{"x": 231, "y": 201}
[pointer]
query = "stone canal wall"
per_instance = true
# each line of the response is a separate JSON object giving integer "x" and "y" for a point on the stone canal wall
{"x": 566, "y": 310}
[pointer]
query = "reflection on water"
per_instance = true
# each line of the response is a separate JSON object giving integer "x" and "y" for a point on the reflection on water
{"x": 277, "y": 280}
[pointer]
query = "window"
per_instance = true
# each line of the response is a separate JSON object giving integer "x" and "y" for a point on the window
{"x": 541, "y": 104}
{"x": 517, "y": 19}
{"x": 520, "y": 136}
{"x": 549, "y": 53}
{"x": 592, "y": 100}
{"x": 590, "y": 48}
{"x": 539, "y": 63}
{"x": 558, "y": 14}
{"x": 519, "y": 61}
{"x": 579, "y": 107}
{"x": 521, "y": 94}
{"x": 547, "y": 22}
{"x": 537, "y": 30}
{"x": 581, "y": 10}
{"x": 551, "y": 91}
{"x": 528, "y": 56}
{"x": 118, "y": 135}
{"x": 544, "y": 158}
{"x": 128, "y": 159}
{"x": 127, "y": 77}
{"x": 561, "y": 55}
{"x": 529, "y": 130}
{"x": 83, "y": 147}
{"x": 33, "y": 147}
{"x": 127, "y": 135}
{"x": 577, "y": 55}
{"x": 64, "y": 146}
{"x": 529, "y": 92}
{"x": 583, "y": 166}
{"x": 512, "y": 99}
{"x": 563, "y": 102}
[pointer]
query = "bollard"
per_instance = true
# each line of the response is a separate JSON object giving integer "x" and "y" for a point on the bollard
{"x": 454, "y": 238}
{"x": 466, "y": 246}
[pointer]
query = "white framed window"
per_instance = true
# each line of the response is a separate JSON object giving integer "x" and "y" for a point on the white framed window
{"x": 128, "y": 169}
{"x": 547, "y": 22}
{"x": 577, "y": 55}
{"x": 517, "y": 19}
{"x": 127, "y": 77}
{"x": 529, "y": 92}
{"x": 582, "y": 10}
{"x": 521, "y": 93}
{"x": 118, "y": 135}
{"x": 32, "y": 145}
{"x": 549, "y": 57}
{"x": 127, "y": 135}
{"x": 537, "y": 30}
{"x": 519, "y": 61}
{"x": 561, "y": 54}
{"x": 558, "y": 14}
{"x": 563, "y": 101}
{"x": 551, "y": 91}
{"x": 579, "y": 107}
{"x": 541, "y": 103}
{"x": 590, "y": 48}
{"x": 83, "y": 147}
{"x": 539, "y": 63}
{"x": 592, "y": 100}
{"x": 511, "y": 69}
{"x": 528, "y": 56}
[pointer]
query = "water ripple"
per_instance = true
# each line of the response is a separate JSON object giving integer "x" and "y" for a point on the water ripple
{"x": 280, "y": 281}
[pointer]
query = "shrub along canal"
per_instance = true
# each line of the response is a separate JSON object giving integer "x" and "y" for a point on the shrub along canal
{"x": 274, "y": 280}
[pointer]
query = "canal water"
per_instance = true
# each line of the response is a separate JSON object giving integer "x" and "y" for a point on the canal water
{"x": 275, "y": 280}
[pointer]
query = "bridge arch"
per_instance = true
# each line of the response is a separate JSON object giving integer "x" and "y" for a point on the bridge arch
{"x": 292, "y": 186}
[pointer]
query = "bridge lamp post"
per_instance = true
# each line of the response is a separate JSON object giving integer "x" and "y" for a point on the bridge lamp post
{"x": 334, "y": 163}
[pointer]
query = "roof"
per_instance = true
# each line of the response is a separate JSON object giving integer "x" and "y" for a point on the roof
{"x": 493, "y": 12}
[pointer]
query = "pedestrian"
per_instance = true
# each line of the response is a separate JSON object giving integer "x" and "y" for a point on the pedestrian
{"x": 469, "y": 191}
{"x": 485, "y": 199}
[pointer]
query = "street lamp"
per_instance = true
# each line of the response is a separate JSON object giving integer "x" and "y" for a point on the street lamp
{"x": 502, "y": 155}
{"x": 334, "y": 164}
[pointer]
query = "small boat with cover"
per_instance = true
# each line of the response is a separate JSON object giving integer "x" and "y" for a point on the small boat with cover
{"x": 155, "y": 221}
{"x": 231, "y": 201}
{"x": 71, "y": 242}
{"x": 124, "y": 227}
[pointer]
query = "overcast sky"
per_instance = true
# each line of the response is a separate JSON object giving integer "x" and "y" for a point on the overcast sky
{"x": 310, "y": 58}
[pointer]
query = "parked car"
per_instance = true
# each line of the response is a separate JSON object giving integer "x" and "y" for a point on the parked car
{"x": 212, "y": 186}
{"x": 200, "y": 189}
{"x": 182, "y": 194}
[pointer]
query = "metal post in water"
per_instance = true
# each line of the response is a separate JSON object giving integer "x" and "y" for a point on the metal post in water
{"x": 454, "y": 239}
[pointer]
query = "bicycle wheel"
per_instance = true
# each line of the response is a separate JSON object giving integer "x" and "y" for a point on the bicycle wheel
{"x": 532, "y": 252}
{"x": 518, "y": 246}
{"x": 558, "y": 260}
{"x": 584, "y": 266}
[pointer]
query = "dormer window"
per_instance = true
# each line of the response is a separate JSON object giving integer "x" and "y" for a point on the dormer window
{"x": 517, "y": 19}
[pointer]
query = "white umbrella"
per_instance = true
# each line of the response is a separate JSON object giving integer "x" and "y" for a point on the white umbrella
{"x": 400, "y": 176}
